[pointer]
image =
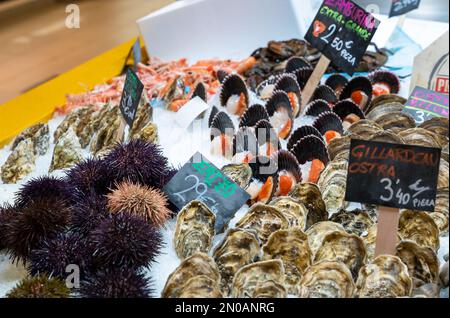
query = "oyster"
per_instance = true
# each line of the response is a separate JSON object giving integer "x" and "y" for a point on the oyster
{"x": 396, "y": 119}
{"x": 422, "y": 262}
{"x": 319, "y": 231}
{"x": 292, "y": 247}
{"x": 84, "y": 127}
{"x": 40, "y": 136}
{"x": 263, "y": 219}
{"x": 327, "y": 280}
{"x": 20, "y": 162}
{"x": 441, "y": 221}
{"x": 438, "y": 125}
{"x": 200, "y": 287}
{"x": 343, "y": 247}
{"x": 198, "y": 265}
{"x": 443, "y": 182}
{"x": 149, "y": 133}
{"x": 339, "y": 146}
{"x": 356, "y": 222}
{"x": 238, "y": 249}
{"x": 260, "y": 280}
{"x": 333, "y": 184}
{"x": 69, "y": 121}
{"x": 443, "y": 275}
{"x": 310, "y": 195}
{"x": 143, "y": 117}
{"x": 419, "y": 227}
{"x": 420, "y": 137}
{"x": 371, "y": 240}
{"x": 426, "y": 291}
{"x": 294, "y": 211}
{"x": 384, "y": 109}
{"x": 107, "y": 134}
{"x": 385, "y": 99}
{"x": 67, "y": 152}
{"x": 386, "y": 136}
{"x": 386, "y": 277}
{"x": 239, "y": 173}
{"x": 194, "y": 230}
{"x": 364, "y": 129}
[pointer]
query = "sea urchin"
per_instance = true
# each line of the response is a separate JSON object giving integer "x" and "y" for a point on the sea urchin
{"x": 40, "y": 287}
{"x": 142, "y": 201}
{"x": 88, "y": 213}
{"x": 43, "y": 188}
{"x": 7, "y": 213}
{"x": 124, "y": 240}
{"x": 89, "y": 176}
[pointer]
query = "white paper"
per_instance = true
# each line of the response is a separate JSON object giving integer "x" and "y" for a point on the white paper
{"x": 189, "y": 112}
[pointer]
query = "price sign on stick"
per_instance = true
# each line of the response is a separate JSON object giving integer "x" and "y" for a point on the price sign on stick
{"x": 424, "y": 104}
{"x": 401, "y": 7}
{"x": 200, "y": 180}
{"x": 341, "y": 31}
{"x": 131, "y": 96}
{"x": 393, "y": 177}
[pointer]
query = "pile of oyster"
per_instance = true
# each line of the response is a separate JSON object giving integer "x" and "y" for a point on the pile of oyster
{"x": 95, "y": 130}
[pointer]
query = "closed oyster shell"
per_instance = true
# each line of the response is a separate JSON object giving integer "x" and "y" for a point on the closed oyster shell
{"x": 67, "y": 152}
{"x": 40, "y": 136}
{"x": 319, "y": 231}
{"x": 420, "y": 137}
{"x": 84, "y": 127}
{"x": 238, "y": 249}
{"x": 149, "y": 133}
{"x": 194, "y": 266}
{"x": 386, "y": 277}
{"x": 438, "y": 125}
{"x": 419, "y": 227}
{"x": 443, "y": 275}
{"x": 371, "y": 240}
{"x": 295, "y": 212}
{"x": 426, "y": 291}
{"x": 339, "y": 146}
{"x": 443, "y": 182}
{"x": 386, "y": 136}
{"x": 264, "y": 220}
{"x": 260, "y": 280}
{"x": 239, "y": 173}
{"x": 333, "y": 184}
{"x": 143, "y": 117}
{"x": 107, "y": 134}
{"x": 343, "y": 247}
{"x": 20, "y": 162}
{"x": 422, "y": 262}
{"x": 327, "y": 280}
{"x": 442, "y": 222}
{"x": 385, "y": 99}
{"x": 396, "y": 119}
{"x": 201, "y": 287}
{"x": 310, "y": 195}
{"x": 364, "y": 129}
{"x": 69, "y": 121}
{"x": 292, "y": 247}
{"x": 384, "y": 109}
{"x": 194, "y": 231}
{"x": 356, "y": 222}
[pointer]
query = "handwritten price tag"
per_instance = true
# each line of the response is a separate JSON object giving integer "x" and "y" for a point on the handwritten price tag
{"x": 401, "y": 7}
{"x": 396, "y": 176}
{"x": 424, "y": 104}
{"x": 342, "y": 31}
{"x": 200, "y": 180}
{"x": 131, "y": 96}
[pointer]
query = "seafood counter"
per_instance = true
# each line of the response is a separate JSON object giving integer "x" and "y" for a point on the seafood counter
{"x": 79, "y": 196}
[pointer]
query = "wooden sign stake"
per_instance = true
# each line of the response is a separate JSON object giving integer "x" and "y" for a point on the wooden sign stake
{"x": 401, "y": 21}
{"x": 121, "y": 130}
{"x": 387, "y": 231}
{"x": 314, "y": 80}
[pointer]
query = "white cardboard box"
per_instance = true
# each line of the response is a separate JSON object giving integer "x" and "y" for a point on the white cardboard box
{"x": 204, "y": 29}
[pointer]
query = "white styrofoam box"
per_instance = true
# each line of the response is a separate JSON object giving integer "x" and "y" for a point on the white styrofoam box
{"x": 204, "y": 29}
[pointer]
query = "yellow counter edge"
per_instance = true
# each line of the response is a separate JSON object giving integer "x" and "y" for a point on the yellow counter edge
{"x": 39, "y": 104}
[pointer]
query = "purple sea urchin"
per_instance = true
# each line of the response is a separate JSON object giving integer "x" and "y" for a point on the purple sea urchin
{"x": 124, "y": 240}
{"x": 53, "y": 256}
{"x": 88, "y": 213}
{"x": 117, "y": 283}
{"x": 89, "y": 176}
{"x": 37, "y": 221}
{"x": 40, "y": 287}
{"x": 43, "y": 188}
{"x": 7, "y": 214}
{"x": 142, "y": 201}
{"x": 138, "y": 161}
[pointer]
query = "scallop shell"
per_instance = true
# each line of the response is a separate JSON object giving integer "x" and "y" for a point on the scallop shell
{"x": 286, "y": 161}
{"x": 288, "y": 84}
{"x": 420, "y": 137}
{"x": 238, "y": 249}
{"x": 253, "y": 115}
{"x": 310, "y": 195}
{"x": 280, "y": 102}
{"x": 245, "y": 141}
{"x": 291, "y": 246}
{"x": 212, "y": 115}
{"x": 39, "y": 135}
{"x": 325, "y": 93}
{"x": 295, "y": 63}
{"x": 419, "y": 227}
{"x": 343, "y": 247}
{"x": 347, "y": 108}
{"x": 301, "y": 133}
{"x": 329, "y": 122}
{"x": 266, "y": 134}
{"x": 295, "y": 212}
{"x": 356, "y": 222}
{"x": 364, "y": 129}
{"x": 316, "y": 108}
{"x": 200, "y": 91}
{"x": 371, "y": 240}
{"x": 303, "y": 74}
{"x": 67, "y": 152}
{"x": 327, "y": 280}
{"x": 358, "y": 84}
{"x": 20, "y": 162}
{"x": 388, "y": 78}
{"x": 222, "y": 124}
{"x": 194, "y": 231}
{"x": 386, "y": 277}
{"x": 260, "y": 280}
{"x": 264, "y": 170}
{"x": 198, "y": 265}
{"x": 264, "y": 220}
{"x": 422, "y": 262}
{"x": 385, "y": 99}
{"x": 337, "y": 82}
{"x": 222, "y": 75}
{"x": 233, "y": 85}
{"x": 309, "y": 149}
{"x": 319, "y": 231}
{"x": 396, "y": 119}
{"x": 266, "y": 88}
{"x": 239, "y": 173}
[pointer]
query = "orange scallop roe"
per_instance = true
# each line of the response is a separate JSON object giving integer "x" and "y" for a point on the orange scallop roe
{"x": 316, "y": 168}
{"x": 248, "y": 158}
{"x": 224, "y": 143}
{"x": 284, "y": 132}
{"x": 381, "y": 89}
{"x": 266, "y": 191}
{"x": 358, "y": 97}
{"x": 330, "y": 135}
{"x": 294, "y": 102}
{"x": 286, "y": 184}
{"x": 242, "y": 105}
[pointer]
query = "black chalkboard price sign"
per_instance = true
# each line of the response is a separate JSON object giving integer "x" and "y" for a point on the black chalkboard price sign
{"x": 425, "y": 104}
{"x": 401, "y": 7}
{"x": 342, "y": 31}
{"x": 391, "y": 175}
{"x": 200, "y": 180}
{"x": 131, "y": 96}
